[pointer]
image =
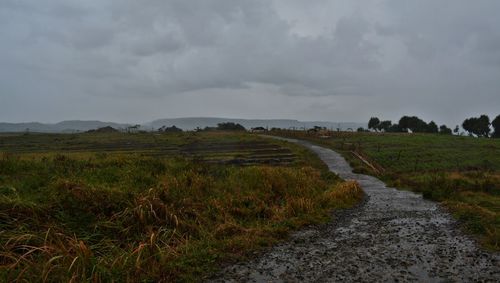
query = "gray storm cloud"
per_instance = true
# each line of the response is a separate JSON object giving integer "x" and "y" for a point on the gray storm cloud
{"x": 329, "y": 60}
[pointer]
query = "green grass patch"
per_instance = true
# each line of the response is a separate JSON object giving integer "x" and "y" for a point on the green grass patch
{"x": 461, "y": 172}
{"x": 98, "y": 215}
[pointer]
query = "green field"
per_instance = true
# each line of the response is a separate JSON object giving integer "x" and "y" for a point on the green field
{"x": 461, "y": 172}
{"x": 150, "y": 207}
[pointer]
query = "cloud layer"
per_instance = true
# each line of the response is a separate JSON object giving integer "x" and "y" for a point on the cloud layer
{"x": 128, "y": 60}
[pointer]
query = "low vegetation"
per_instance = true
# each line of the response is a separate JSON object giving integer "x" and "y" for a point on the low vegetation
{"x": 121, "y": 207}
{"x": 463, "y": 173}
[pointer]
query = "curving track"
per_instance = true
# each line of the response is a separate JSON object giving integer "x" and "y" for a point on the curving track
{"x": 394, "y": 236}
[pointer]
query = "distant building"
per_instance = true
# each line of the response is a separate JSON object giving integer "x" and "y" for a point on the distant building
{"x": 133, "y": 129}
{"x": 258, "y": 130}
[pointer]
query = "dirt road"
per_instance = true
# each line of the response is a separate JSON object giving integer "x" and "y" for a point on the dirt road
{"x": 394, "y": 236}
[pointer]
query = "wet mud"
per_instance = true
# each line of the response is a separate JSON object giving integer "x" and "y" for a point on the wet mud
{"x": 394, "y": 236}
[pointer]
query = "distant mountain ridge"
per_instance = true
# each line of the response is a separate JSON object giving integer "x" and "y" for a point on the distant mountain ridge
{"x": 61, "y": 127}
{"x": 189, "y": 123}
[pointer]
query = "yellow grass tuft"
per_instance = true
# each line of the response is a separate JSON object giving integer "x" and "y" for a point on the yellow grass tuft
{"x": 344, "y": 194}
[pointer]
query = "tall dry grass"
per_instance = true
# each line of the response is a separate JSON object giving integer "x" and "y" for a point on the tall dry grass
{"x": 141, "y": 219}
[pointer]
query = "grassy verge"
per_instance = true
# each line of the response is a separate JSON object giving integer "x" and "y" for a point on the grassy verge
{"x": 462, "y": 173}
{"x": 95, "y": 216}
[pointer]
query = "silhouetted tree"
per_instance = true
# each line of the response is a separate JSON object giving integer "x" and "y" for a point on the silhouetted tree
{"x": 230, "y": 126}
{"x": 384, "y": 125}
{"x": 373, "y": 123}
{"x": 456, "y": 130}
{"x": 484, "y": 125}
{"x": 468, "y": 124}
{"x": 496, "y": 125}
{"x": 432, "y": 127}
{"x": 107, "y": 129}
{"x": 413, "y": 123}
{"x": 172, "y": 129}
{"x": 477, "y": 126}
{"x": 394, "y": 129}
{"x": 444, "y": 130}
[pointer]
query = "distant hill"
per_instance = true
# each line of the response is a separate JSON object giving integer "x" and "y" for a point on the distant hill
{"x": 194, "y": 122}
{"x": 190, "y": 123}
{"x": 61, "y": 127}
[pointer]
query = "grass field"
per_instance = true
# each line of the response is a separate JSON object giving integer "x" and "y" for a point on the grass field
{"x": 152, "y": 207}
{"x": 461, "y": 172}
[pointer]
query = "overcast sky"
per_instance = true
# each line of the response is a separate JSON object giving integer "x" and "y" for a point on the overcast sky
{"x": 332, "y": 60}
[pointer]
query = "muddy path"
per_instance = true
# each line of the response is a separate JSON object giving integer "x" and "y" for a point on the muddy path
{"x": 393, "y": 236}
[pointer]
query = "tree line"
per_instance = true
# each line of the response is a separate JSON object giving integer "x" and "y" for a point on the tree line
{"x": 478, "y": 126}
{"x": 226, "y": 126}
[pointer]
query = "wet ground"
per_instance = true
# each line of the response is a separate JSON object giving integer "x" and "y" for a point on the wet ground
{"x": 394, "y": 236}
